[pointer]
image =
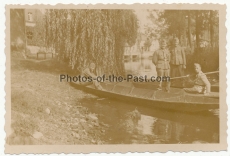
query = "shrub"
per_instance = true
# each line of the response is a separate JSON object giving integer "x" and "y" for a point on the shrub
{"x": 17, "y": 45}
{"x": 207, "y": 57}
{"x": 28, "y": 52}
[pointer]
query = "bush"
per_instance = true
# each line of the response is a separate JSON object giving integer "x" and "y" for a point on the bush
{"x": 207, "y": 57}
{"x": 17, "y": 45}
{"x": 28, "y": 52}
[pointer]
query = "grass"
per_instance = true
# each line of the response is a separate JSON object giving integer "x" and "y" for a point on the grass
{"x": 35, "y": 87}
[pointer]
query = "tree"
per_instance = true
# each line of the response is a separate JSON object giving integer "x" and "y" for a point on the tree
{"x": 84, "y": 36}
{"x": 213, "y": 23}
{"x": 17, "y": 30}
{"x": 177, "y": 22}
{"x": 183, "y": 23}
{"x": 157, "y": 28}
{"x": 167, "y": 23}
{"x": 189, "y": 29}
{"x": 36, "y": 33}
{"x": 197, "y": 29}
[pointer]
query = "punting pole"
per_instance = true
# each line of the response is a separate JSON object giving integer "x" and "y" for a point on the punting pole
{"x": 188, "y": 75}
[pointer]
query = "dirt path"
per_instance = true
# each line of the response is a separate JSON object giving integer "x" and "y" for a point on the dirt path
{"x": 46, "y": 111}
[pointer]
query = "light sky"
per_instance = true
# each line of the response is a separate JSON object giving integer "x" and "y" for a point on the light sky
{"x": 142, "y": 17}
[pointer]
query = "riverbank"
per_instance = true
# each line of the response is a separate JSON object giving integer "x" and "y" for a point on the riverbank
{"x": 46, "y": 111}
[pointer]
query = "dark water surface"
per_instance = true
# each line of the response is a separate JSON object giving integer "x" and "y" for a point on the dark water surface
{"x": 154, "y": 126}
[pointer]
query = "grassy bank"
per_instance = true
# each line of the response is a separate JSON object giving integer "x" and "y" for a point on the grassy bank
{"x": 46, "y": 111}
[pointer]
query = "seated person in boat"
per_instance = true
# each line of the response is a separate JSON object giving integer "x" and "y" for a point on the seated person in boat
{"x": 201, "y": 83}
{"x": 90, "y": 72}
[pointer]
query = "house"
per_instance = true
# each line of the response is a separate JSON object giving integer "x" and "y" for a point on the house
{"x": 33, "y": 21}
{"x": 25, "y": 27}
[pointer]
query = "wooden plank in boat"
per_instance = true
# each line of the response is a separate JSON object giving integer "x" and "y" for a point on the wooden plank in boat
{"x": 150, "y": 94}
{"x": 174, "y": 92}
{"x": 154, "y": 85}
{"x": 140, "y": 92}
{"x": 121, "y": 89}
{"x": 173, "y": 103}
{"x": 211, "y": 100}
{"x": 107, "y": 86}
{"x": 175, "y": 99}
{"x": 201, "y": 99}
{"x": 214, "y": 94}
{"x": 211, "y": 94}
{"x": 193, "y": 99}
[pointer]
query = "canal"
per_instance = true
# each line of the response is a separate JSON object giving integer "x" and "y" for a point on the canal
{"x": 138, "y": 124}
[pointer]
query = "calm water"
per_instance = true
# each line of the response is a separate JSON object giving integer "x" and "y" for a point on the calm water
{"x": 140, "y": 67}
{"x": 153, "y": 126}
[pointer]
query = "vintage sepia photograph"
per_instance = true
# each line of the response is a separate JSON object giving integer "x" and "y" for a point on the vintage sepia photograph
{"x": 131, "y": 75}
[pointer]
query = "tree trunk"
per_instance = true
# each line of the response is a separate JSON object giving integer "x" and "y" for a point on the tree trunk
{"x": 189, "y": 30}
{"x": 211, "y": 28}
{"x": 182, "y": 30}
{"x": 197, "y": 30}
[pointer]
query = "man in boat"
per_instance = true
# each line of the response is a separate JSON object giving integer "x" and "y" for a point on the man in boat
{"x": 90, "y": 72}
{"x": 178, "y": 60}
{"x": 161, "y": 59}
{"x": 201, "y": 83}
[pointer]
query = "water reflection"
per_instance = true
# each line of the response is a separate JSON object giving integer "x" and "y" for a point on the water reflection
{"x": 140, "y": 67}
{"x": 154, "y": 126}
{"x": 145, "y": 124}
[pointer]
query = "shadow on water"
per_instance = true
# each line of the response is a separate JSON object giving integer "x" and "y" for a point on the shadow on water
{"x": 154, "y": 126}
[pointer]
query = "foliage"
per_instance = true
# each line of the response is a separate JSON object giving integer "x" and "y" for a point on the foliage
{"x": 197, "y": 30}
{"x": 157, "y": 29}
{"x": 191, "y": 26}
{"x": 84, "y": 36}
{"x": 207, "y": 57}
{"x": 37, "y": 31}
{"x": 17, "y": 30}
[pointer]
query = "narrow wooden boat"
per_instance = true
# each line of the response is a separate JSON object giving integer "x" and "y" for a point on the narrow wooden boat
{"x": 149, "y": 85}
{"x": 177, "y": 99}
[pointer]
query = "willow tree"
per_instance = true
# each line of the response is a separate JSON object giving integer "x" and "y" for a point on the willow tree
{"x": 84, "y": 36}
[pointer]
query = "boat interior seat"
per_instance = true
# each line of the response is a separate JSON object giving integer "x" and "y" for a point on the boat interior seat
{"x": 140, "y": 92}
{"x": 116, "y": 88}
{"x": 122, "y": 89}
{"x": 107, "y": 86}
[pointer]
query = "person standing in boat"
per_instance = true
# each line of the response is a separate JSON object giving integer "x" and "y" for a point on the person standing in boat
{"x": 161, "y": 59}
{"x": 178, "y": 60}
{"x": 90, "y": 72}
{"x": 201, "y": 83}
